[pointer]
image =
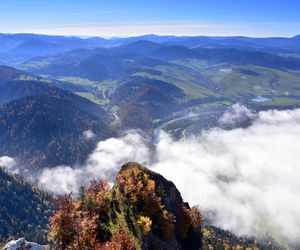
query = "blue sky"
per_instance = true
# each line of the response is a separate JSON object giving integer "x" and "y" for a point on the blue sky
{"x": 136, "y": 17}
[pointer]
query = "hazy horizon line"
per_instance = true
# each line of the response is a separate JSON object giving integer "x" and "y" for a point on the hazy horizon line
{"x": 142, "y": 35}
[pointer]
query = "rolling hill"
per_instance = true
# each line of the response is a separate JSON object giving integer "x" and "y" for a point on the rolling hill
{"x": 16, "y": 84}
{"x": 143, "y": 100}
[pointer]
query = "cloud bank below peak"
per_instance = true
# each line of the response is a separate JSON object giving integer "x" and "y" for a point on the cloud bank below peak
{"x": 245, "y": 180}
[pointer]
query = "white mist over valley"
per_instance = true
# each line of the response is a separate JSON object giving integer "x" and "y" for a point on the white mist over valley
{"x": 242, "y": 179}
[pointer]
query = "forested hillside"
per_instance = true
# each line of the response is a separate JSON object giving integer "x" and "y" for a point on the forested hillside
{"x": 24, "y": 209}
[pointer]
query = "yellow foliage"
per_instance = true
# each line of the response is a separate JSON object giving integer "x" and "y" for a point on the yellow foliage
{"x": 146, "y": 222}
{"x": 206, "y": 232}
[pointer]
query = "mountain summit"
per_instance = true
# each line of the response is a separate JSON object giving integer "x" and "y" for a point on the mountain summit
{"x": 143, "y": 210}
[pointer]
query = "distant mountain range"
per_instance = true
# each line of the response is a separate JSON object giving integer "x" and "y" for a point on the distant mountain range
{"x": 16, "y": 48}
{"x": 100, "y": 64}
{"x": 202, "y": 74}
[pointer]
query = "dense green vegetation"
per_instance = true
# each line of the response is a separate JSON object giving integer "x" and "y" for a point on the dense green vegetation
{"x": 24, "y": 209}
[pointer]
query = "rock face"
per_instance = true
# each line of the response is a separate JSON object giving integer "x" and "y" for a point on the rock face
{"x": 22, "y": 244}
{"x": 174, "y": 224}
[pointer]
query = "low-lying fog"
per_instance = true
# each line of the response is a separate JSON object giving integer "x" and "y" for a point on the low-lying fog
{"x": 246, "y": 180}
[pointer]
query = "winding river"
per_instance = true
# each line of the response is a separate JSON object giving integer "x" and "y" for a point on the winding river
{"x": 209, "y": 115}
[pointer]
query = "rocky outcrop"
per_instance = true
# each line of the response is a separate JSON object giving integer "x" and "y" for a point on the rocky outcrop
{"x": 175, "y": 225}
{"x": 22, "y": 244}
{"x": 142, "y": 210}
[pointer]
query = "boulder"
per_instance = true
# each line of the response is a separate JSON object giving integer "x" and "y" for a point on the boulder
{"x": 22, "y": 244}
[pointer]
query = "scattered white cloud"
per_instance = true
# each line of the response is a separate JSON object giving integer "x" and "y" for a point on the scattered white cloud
{"x": 61, "y": 179}
{"x": 180, "y": 28}
{"x": 103, "y": 163}
{"x": 92, "y": 13}
{"x": 261, "y": 99}
{"x": 9, "y": 164}
{"x": 88, "y": 134}
{"x": 237, "y": 114}
{"x": 225, "y": 70}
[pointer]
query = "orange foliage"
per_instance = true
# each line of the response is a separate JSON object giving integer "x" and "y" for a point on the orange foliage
{"x": 196, "y": 218}
{"x": 192, "y": 219}
{"x": 62, "y": 223}
{"x": 75, "y": 224}
{"x": 120, "y": 240}
{"x": 84, "y": 223}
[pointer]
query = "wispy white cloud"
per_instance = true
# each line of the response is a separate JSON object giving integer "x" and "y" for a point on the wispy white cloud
{"x": 88, "y": 134}
{"x": 239, "y": 113}
{"x": 102, "y": 163}
{"x": 9, "y": 164}
{"x": 188, "y": 28}
{"x": 91, "y": 13}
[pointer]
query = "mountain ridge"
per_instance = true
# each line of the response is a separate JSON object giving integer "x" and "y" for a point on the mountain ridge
{"x": 10, "y": 54}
